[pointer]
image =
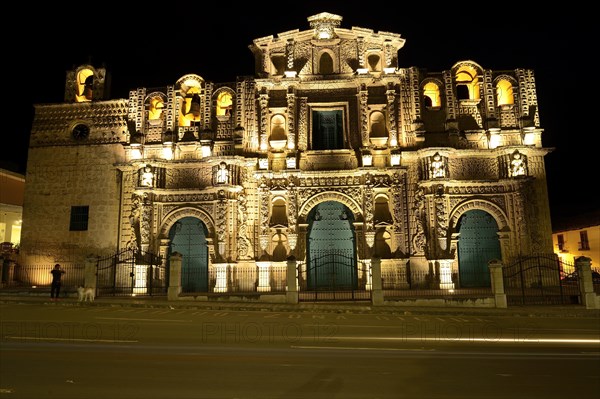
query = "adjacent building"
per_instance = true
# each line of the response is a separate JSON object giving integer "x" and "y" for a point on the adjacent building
{"x": 333, "y": 154}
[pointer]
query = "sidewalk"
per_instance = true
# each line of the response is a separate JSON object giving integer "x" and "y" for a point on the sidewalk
{"x": 563, "y": 311}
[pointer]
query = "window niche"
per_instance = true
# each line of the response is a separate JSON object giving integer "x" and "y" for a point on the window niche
{"x": 85, "y": 85}
{"x": 224, "y": 105}
{"x": 378, "y": 130}
{"x": 467, "y": 83}
{"x": 504, "y": 93}
{"x": 278, "y": 136}
{"x": 431, "y": 96}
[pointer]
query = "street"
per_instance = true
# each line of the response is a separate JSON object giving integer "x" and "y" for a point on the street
{"x": 84, "y": 351}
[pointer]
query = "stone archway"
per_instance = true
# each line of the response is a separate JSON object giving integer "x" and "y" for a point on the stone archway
{"x": 200, "y": 232}
{"x": 477, "y": 225}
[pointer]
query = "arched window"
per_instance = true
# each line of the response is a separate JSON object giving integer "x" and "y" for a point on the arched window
{"x": 431, "y": 95}
{"x": 373, "y": 61}
{"x": 85, "y": 85}
{"x": 190, "y": 110}
{"x": 504, "y": 92}
{"x": 467, "y": 83}
{"x": 279, "y": 213}
{"x": 325, "y": 64}
{"x": 224, "y": 103}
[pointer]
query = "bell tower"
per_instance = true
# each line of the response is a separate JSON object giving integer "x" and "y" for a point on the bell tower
{"x": 86, "y": 83}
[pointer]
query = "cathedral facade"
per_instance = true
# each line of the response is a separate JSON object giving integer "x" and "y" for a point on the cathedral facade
{"x": 331, "y": 149}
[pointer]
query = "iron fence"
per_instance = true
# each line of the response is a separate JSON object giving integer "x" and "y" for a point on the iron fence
{"x": 226, "y": 279}
{"x": 403, "y": 283}
{"x": 541, "y": 279}
{"x": 131, "y": 273}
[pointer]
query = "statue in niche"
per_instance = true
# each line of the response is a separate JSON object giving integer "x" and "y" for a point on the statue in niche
{"x": 517, "y": 164}
{"x": 222, "y": 173}
{"x": 437, "y": 168}
{"x": 147, "y": 177}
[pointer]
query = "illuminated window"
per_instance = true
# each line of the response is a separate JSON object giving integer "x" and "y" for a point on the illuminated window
{"x": 504, "y": 92}
{"x": 584, "y": 243}
{"x": 85, "y": 85}
{"x": 325, "y": 64}
{"x": 327, "y": 130}
{"x": 467, "y": 83}
{"x": 561, "y": 242}
{"x": 224, "y": 103}
{"x": 79, "y": 218}
{"x": 431, "y": 95}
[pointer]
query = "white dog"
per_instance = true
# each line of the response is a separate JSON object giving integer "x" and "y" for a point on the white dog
{"x": 86, "y": 294}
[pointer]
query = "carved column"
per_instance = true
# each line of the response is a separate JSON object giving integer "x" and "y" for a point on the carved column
{"x": 292, "y": 216}
{"x": 291, "y": 121}
{"x": 244, "y": 246}
{"x": 368, "y": 213}
{"x": 302, "y": 127}
{"x": 391, "y": 101}
{"x": 265, "y": 205}
{"x": 146, "y": 222}
{"x": 221, "y": 225}
{"x": 264, "y": 111}
{"x": 363, "y": 96}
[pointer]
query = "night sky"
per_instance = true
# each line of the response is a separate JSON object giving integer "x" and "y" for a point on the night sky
{"x": 139, "y": 51}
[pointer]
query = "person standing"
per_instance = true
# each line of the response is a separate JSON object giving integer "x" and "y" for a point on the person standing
{"x": 57, "y": 273}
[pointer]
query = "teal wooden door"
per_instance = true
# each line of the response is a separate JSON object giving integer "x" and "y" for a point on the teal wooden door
{"x": 477, "y": 244}
{"x": 188, "y": 237}
{"x": 331, "y": 248}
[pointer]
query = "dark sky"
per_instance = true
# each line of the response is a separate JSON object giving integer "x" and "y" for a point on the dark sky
{"x": 156, "y": 49}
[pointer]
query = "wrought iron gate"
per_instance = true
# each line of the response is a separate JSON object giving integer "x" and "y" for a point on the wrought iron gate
{"x": 131, "y": 273}
{"x": 540, "y": 280}
{"x": 334, "y": 276}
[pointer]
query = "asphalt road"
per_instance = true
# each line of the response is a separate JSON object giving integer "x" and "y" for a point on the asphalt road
{"x": 127, "y": 352}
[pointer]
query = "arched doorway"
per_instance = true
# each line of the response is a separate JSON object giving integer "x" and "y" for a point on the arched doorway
{"x": 331, "y": 248}
{"x": 188, "y": 237}
{"x": 478, "y": 243}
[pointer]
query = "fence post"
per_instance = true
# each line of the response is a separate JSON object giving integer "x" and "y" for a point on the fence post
{"x": 497, "y": 280}
{"x": 583, "y": 265}
{"x": 377, "y": 292}
{"x": 292, "y": 283}
{"x": 174, "y": 276}
{"x": 90, "y": 272}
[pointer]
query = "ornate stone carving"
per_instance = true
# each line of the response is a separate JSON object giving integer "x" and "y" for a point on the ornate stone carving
{"x": 474, "y": 169}
{"x": 419, "y": 240}
{"x": 363, "y": 97}
{"x": 264, "y": 103}
{"x": 244, "y": 246}
{"x": 302, "y": 123}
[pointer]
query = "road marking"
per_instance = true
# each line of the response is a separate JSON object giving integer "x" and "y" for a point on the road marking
{"x": 360, "y": 348}
{"x": 132, "y": 319}
{"x": 477, "y": 339}
{"x": 73, "y": 339}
